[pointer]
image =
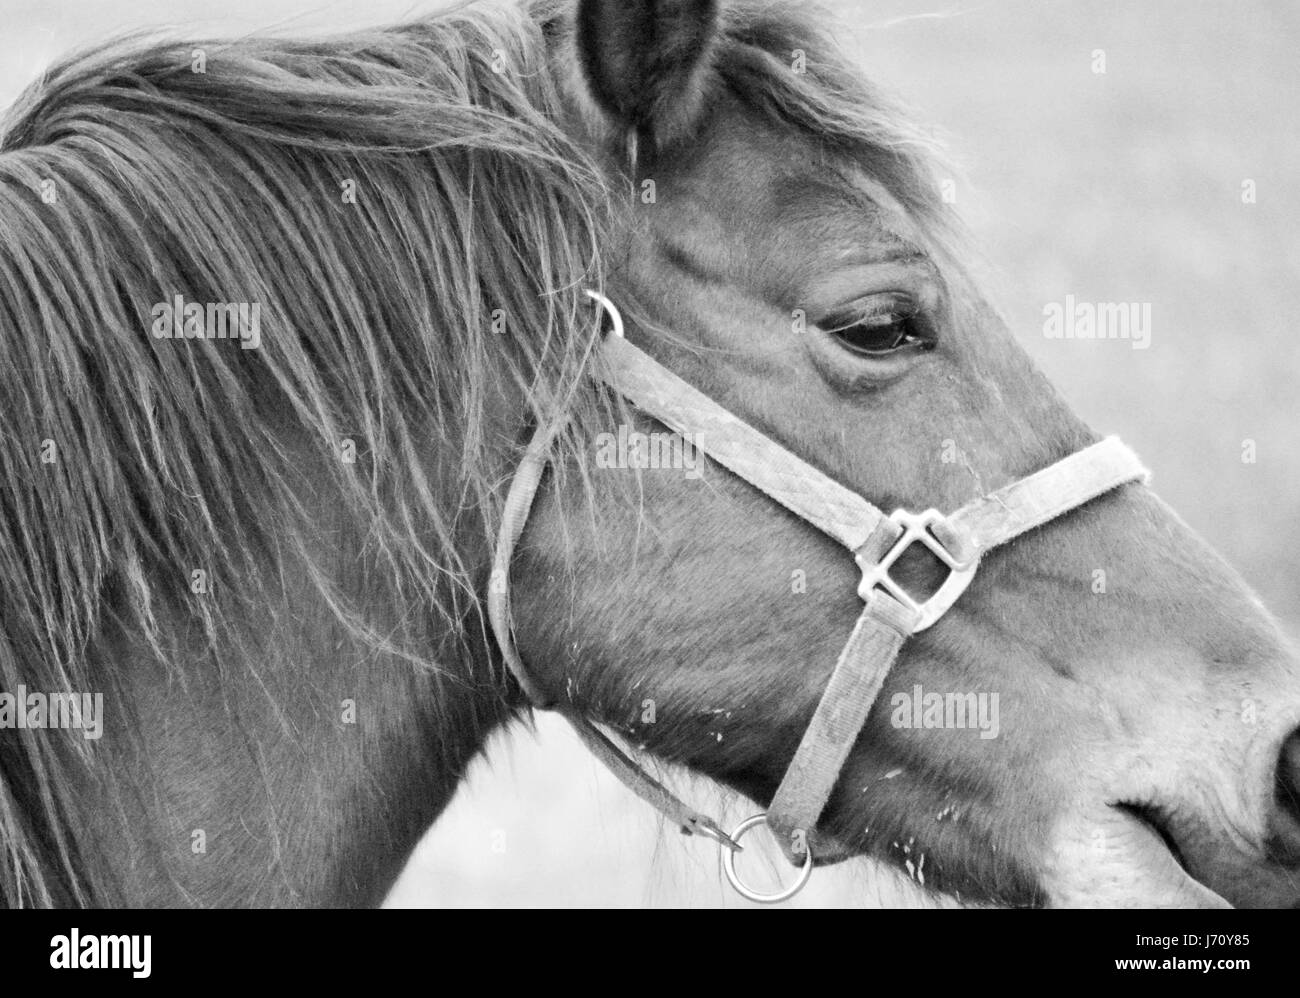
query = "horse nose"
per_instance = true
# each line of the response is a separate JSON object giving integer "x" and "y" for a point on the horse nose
{"x": 1283, "y": 841}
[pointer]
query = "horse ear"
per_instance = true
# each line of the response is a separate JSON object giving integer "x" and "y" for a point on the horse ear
{"x": 646, "y": 63}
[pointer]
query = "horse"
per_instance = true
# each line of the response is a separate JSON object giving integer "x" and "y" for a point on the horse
{"x": 278, "y": 321}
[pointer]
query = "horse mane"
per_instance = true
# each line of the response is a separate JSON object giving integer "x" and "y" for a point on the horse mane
{"x": 402, "y": 321}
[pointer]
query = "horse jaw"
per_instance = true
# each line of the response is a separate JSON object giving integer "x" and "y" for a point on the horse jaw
{"x": 1112, "y": 859}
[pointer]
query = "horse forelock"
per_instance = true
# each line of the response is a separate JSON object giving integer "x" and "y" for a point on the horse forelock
{"x": 408, "y": 212}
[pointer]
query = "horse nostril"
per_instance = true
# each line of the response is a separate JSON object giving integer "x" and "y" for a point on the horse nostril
{"x": 1284, "y": 823}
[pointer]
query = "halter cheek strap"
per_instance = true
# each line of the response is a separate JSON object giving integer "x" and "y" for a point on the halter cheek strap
{"x": 519, "y": 502}
{"x": 890, "y": 614}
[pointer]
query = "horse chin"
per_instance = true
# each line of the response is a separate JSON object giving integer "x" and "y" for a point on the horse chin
{"x": 1120, "y": 859}
{"x": 1123, "y": 863}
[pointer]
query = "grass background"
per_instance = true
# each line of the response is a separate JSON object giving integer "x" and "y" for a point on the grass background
{"x": 1122, "y": 186}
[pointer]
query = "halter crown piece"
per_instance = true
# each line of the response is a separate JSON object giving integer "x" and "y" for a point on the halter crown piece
{"x": 890, "y": 614}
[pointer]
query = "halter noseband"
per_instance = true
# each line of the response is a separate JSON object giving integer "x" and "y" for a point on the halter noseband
{"x": 890, "y": 614}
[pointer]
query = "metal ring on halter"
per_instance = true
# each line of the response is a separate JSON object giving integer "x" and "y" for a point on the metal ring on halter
{"x": 611, "y": 310}
{"x": 729, "y": 867}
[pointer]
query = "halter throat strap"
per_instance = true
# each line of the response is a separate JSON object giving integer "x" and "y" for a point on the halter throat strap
{"x": 889, "y": 616}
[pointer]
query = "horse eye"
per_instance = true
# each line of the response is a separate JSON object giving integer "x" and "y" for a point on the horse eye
{"x": 879, "y": 330}
{"x": 875, "y": 337}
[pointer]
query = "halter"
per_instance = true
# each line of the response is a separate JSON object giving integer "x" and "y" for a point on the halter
{"x": 890, "y": 614}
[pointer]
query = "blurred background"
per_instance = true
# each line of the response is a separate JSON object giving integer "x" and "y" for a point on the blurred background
{"x": 1117, "y": 186}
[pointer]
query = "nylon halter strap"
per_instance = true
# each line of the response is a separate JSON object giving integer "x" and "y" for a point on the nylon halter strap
{"x": 890, "y": 614}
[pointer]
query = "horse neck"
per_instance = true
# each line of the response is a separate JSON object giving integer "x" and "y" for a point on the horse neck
{"x": 298, "y": 766}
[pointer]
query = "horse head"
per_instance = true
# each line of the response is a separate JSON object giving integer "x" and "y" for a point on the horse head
{"x": 781, "y": 244}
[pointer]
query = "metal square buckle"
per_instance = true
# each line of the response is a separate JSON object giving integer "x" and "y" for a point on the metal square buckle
{"x": 928, "y": 528}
